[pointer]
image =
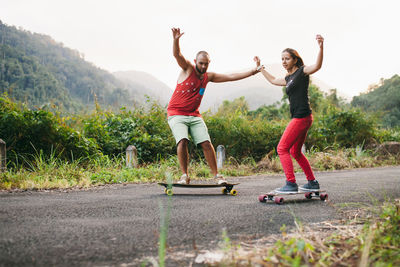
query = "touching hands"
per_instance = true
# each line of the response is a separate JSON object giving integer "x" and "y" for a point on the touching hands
{"x": 176, "y": 33}
{"x": 258, "y": 64}
{"x": 320, "y": 40}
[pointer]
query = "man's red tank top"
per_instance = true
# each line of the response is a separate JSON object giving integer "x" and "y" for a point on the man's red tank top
{"x": 187, "y": 96}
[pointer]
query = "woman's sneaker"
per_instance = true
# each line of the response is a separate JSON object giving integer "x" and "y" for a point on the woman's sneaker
{"x": 220, "y": 179}
{"x": 310, "y": 186}
{"x": 288, "y": 188}
{"x": 184, "y": 179}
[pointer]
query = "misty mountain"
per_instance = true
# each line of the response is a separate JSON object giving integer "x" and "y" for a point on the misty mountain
{"x": 37, "y": 70}
{"x": 140, "y": 84}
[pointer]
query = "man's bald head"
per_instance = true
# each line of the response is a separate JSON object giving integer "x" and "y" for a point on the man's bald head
{"x": 202, "y": 53}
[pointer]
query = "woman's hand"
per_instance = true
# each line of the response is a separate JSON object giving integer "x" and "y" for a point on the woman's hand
{"x": 320, "y": 40}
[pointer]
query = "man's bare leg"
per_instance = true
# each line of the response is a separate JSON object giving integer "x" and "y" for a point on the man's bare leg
{"x": 209, "y": 154}
{"x": 183, "y": 155}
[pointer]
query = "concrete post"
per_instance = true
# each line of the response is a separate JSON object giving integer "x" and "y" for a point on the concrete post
{"x": 131, "y": 157}
{"x": 220, "y": 156}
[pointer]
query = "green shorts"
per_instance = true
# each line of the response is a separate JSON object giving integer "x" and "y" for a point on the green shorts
{"x": 182, "y": 125}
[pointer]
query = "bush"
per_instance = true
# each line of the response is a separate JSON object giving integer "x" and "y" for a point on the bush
{"x": 244, "y": 134}
{"x": 27, "y": 132}
{"x": 342, "y": 128}
{"x": 147, "y": 131}
{"x": 244, "y": 137}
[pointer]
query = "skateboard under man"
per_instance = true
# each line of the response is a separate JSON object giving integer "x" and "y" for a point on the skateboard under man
{"x": 278, "y": 199}
{"x": 227, "y": 188}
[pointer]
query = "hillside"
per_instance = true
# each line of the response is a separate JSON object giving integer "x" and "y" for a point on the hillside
{"x": 37, "y": 70}
{"x": 384, "y": 98}
{"x": 140, "y": 84}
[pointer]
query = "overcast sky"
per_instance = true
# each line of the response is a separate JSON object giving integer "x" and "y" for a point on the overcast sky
{"x": 361, "y": 36}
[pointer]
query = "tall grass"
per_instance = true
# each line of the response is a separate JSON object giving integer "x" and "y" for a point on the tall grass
{"x": 42, "y": 172}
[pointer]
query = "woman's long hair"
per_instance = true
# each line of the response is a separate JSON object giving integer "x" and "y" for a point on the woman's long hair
{"x": 293, "y": 53}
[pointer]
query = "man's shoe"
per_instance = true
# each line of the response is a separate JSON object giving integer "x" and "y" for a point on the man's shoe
{"x": 220, "y": 179}
{"x": 184, "y": 179}
{"x": 310, "y": 186}
{"x": 288, "y": 188}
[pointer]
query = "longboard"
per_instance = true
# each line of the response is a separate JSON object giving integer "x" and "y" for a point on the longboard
{"x": 227, "y": 188}
{"x": 278, "y": 199}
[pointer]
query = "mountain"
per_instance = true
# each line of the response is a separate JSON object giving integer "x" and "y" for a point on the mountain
{"x": 37, "y": 70}
{"x": 140, "y": 83}
{"x": 384, "y": 98}
{"x": 256, "y": 90}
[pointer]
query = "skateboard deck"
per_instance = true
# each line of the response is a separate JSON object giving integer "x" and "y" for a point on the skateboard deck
{"x": 277, "y": 197}
{"x": 227, "y": 187}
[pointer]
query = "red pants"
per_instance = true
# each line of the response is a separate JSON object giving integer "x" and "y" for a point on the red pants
{"x": 290, "y": 144}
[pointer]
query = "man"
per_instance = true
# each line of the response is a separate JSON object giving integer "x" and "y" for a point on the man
{"x": 183, "y": 108}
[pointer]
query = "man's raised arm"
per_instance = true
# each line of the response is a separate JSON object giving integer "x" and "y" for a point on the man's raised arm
{"x": 182, "y": 62}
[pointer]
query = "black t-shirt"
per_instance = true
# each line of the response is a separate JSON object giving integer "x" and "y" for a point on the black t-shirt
{"x": 297, "y": 91}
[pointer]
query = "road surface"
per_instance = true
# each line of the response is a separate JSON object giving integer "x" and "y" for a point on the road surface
{"x": 120, "y": 224}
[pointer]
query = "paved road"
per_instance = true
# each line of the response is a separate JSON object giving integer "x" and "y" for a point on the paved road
{"x": 120, "y": 224}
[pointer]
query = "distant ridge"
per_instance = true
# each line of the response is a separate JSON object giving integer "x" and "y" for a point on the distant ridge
{"x": 140, "y": 83}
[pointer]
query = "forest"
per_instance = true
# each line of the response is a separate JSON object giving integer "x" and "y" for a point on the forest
{"x": 38, "y": 71}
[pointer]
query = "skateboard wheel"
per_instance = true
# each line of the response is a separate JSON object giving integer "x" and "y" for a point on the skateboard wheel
{"x": 262, "y": 198}
{"x": 224, "y": 191}
{"x": 308, "y": 195}
{"x": 323, "y": 197}
{"x": 233, "y": 192}
{"x": 169, "y": 192}
{"x": 278, "y": 200}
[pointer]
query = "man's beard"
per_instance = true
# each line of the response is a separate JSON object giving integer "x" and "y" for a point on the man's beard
{"x": 201, "y": 72}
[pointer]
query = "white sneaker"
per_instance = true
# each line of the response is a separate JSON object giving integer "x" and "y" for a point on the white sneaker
{"x": 184, "y": 179}
{"x": 220, "y": 179}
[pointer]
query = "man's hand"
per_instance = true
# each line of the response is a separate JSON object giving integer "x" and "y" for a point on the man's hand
{"x": 257, "y": 60}
{"x": 182, "y": 62}
{"x": 176, "y": 33}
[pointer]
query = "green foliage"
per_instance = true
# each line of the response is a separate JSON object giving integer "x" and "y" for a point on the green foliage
{"x": 342, "y": 128}
{"x": 386, "y": 238}
{"x": 376, "y": 244}
{"x": 276, "y": 111}
{"x": 28, "y": 131}
{"x": 244, "y": 137}
{"x": 238, "y": 105}
{"x": 291, "y": 253}
{"x": 147, "y": 131}
{"x": 37, "y": 70}
{"x": 383, "y": 98}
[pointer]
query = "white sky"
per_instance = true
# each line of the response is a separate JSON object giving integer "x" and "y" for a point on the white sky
{"x": 361, "y": 36}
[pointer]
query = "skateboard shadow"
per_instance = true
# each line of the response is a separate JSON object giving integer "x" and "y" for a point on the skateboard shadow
{"x": 293, "y": 201}
{"x": 196, "y": 195}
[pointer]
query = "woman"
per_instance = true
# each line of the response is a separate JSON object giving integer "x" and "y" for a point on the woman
{"x": 296, "y": 82}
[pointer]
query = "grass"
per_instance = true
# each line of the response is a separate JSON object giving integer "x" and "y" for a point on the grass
{"x": 51, "y": 173}
{"x": 369, "y": 236}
